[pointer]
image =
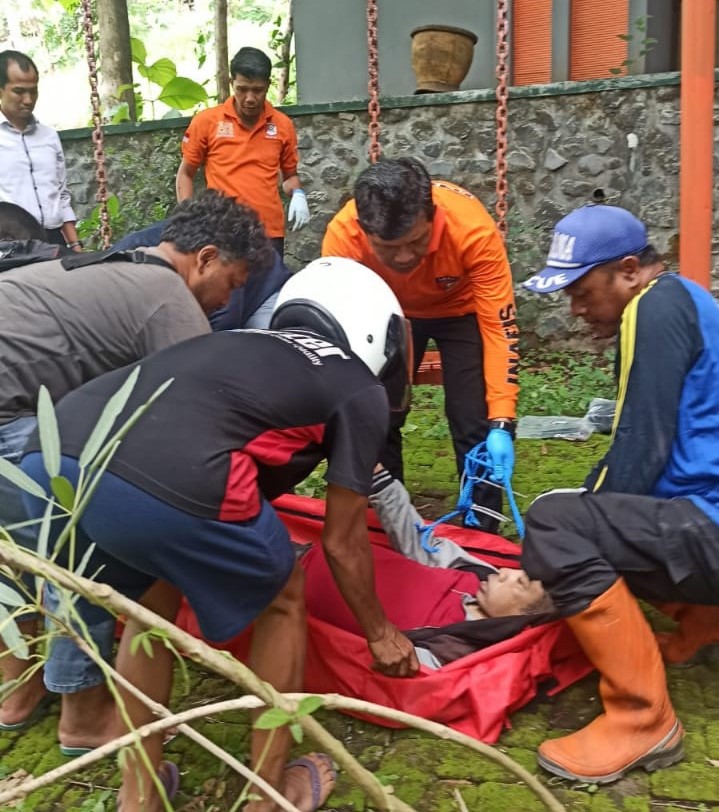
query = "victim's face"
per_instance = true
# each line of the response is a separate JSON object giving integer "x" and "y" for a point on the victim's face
{"x": 508, "y": 592}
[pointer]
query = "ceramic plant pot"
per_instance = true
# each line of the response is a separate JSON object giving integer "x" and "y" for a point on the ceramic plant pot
{"x": 441, "y": 57}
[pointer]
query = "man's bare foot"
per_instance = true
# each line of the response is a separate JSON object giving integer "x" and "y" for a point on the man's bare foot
{"x": 19, "y": 705}
{"x": 308, "y": 781}
{"x": 89, "y": 718}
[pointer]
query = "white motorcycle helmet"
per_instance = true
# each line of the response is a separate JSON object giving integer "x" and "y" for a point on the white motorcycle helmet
{"x": 346, "y": 302}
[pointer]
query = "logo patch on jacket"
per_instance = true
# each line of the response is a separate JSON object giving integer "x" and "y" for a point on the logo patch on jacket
{"x": 271, "y": 131}
{"x": 225, "y": 129}
{"x": 446, "y": 282}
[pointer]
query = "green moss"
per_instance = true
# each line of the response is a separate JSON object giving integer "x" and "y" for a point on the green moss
{"x": 636, "y": 805}
{"x": 528, "y": 729}
{"x": 692, "y": 782}
{"x": 507, "y": 798}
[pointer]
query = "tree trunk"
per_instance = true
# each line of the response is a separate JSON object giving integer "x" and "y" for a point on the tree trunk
{"x": 222, "y": 58}
{"x": 115, "y": 54}
{"x": 285, "y": 54}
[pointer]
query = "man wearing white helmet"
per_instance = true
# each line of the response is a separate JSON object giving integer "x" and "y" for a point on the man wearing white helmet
{"x": 184, "y": 506}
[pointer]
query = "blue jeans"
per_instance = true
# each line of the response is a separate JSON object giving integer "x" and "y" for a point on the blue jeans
{"x": 67, "y": 669}
{"x": 13, "y": 437}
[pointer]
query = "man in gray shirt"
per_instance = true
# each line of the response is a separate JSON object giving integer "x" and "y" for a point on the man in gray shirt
{"x": 66, "y": 321}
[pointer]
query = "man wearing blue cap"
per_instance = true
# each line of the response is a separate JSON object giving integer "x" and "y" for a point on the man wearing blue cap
{"x": 646, "y": 521}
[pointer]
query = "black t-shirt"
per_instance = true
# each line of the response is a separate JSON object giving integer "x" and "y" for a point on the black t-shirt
{"x": 247, "y": 412}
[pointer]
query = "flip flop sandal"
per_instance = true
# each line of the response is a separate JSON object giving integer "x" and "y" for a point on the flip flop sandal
{"x": 74, "y": 752}
{"x": 169, "y": 775}
{"x": 33, "y": 716}
{"x": 315, "y": 780}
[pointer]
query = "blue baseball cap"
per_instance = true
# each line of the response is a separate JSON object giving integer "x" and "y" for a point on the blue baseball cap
{"x": 589, "y": 236}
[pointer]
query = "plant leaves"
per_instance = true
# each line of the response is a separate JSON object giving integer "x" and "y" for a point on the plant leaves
{"x": 49, "y": 435}
{"x": 19, "y": 478}
{"x": 10, "y": 596}
{"x": 272, "y": 718}
{"x": 85, "y": 560}
{"x": 63, "y": 490}
{"x": 138, "y": 51}
{"x": 297, "y": 732}
{"x": 11, "y": 635}
{"x": 309, "y": 705}
{"x": 182, "y": 93}
{"x": 160, "y": 72}
{"x": 106, "y": 421}
{"x": 42, "y": 544}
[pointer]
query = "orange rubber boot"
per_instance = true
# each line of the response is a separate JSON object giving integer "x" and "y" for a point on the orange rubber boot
{"x": 638, "y": 727}
{"x": 698, "y": 627}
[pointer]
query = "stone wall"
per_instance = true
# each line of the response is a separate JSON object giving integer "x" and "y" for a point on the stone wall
{"x": 566, "y": 141}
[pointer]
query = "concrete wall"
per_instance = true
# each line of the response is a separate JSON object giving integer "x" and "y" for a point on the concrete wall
{"x": 565, "y": 141}
{"x": 331, "y": 43}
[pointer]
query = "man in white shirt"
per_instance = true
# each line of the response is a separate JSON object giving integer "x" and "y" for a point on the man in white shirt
{"x": 32, "y": 163}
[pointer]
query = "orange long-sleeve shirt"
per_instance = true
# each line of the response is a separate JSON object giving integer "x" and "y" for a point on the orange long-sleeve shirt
{"x": 245, "y": 163}
{"x": 465, "y": 270}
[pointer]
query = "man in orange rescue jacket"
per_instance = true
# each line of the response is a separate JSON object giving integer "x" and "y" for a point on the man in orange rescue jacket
{"x": 439, "y": 250}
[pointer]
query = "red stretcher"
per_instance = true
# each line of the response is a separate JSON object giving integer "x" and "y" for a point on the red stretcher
{"x": 475, "y": 695}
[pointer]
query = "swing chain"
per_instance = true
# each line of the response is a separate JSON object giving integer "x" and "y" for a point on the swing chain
{"x": 502, "y": 72}
{"x": 97, "y": 133}
{"x": 373, "y": 66}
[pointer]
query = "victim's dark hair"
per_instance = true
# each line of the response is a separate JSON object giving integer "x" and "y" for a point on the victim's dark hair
{"x": 212, "y": 218}
{"x": 390, "y": 195}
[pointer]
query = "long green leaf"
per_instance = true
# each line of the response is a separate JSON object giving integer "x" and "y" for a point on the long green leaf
{"x": 82, "y": 566}
{"x": 182, "y": 93}
{"x": 42, "y": 543}
{"x": 19, "y": 478}
{"x": 11, "y": 635}
{"x": 63, "y": 491}
{"x": 110, "y": 413}
{"x": 114, "y": 441}
{"x": 49, "y": 435}
{"x": 10, "y": 597}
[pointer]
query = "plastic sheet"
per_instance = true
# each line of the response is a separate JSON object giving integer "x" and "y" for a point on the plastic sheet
{"x": 599, "y": 418}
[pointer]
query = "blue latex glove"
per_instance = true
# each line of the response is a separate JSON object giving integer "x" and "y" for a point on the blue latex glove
{"x": 501, "y": 451}
{"x": 299, "y": 211}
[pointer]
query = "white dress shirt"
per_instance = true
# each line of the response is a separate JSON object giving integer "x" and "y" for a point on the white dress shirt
{"x": 32, "y": 172}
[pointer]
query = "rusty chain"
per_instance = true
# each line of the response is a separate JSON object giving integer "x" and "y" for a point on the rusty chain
{"x": 502, "y": 72}
{"x": 97, "y": 133}
{"x": 373, "y": 67}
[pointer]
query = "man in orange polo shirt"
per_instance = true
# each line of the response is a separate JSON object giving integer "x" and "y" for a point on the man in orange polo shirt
{"x": 440, "y": 252}
{"x": 244, "y": 144}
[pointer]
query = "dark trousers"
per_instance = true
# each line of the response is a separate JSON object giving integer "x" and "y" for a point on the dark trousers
{"x": 460, "y": 348}
{"x": 579, "y": 544}
{"x": 55, "y": 236}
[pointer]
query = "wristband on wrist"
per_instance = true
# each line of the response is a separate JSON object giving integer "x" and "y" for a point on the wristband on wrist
{"x": 504, "y": 424}
{"x": 300, "y": 191}
{"x": 74, "y": 244}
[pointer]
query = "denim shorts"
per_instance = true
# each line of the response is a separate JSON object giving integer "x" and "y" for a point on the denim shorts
{"x": 229, "y": 571}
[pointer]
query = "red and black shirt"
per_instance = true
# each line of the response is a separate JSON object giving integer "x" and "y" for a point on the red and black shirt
{"x": 248, "y": 413}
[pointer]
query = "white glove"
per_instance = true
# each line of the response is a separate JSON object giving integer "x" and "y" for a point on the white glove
{"x": 299, "y": 211}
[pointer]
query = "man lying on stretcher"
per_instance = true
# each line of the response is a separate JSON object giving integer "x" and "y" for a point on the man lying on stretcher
{"x": 433, "y": 588}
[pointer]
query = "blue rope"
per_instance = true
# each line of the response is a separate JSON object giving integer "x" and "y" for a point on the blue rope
{"x": 477, "y": 467}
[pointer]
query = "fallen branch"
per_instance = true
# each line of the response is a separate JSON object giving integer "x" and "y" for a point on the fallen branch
{"x": 264, "y": 694}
